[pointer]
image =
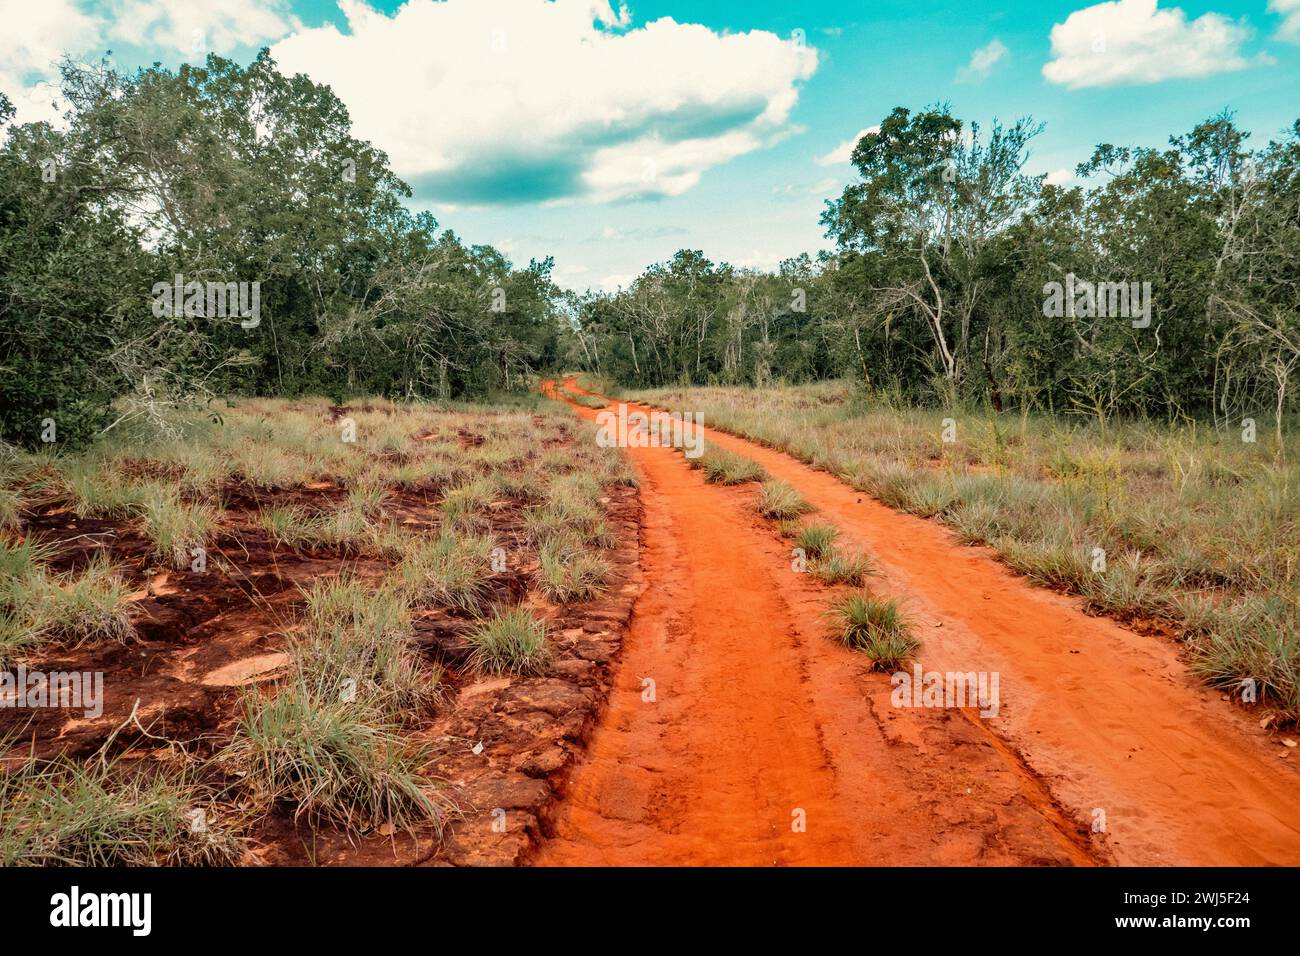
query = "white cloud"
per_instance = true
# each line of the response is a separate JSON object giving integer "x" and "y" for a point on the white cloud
{"x": 1059, "y": 177}
{"x": 761, "y": 260}
{"x": 36, "y": 36}
{"x": 193, "y": 27}
{"x": 844, "y": 151}
{"x": 612, "y": 283}
{"x": 982, "y": 61}
{"x": 1289, "y": 11}
{"x": 1130, "y": 42}
{"x": 523, "y": 100}
{"x": 823, "y": 187}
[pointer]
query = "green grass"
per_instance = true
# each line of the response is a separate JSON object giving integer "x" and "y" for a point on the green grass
{"x": 351, "y": 528}
{"x": 38, "y": 607}
{"x": 727, "y": 468}
{"x": 816, "y": 539}
{"x": 11, "y": 509}
{"x": 175, "y": 529}
{"x": 572, "y": 509}
{"x": 331, "y": 760}
{"x": 96, "y": 491}
{"x": 358, "y": 642}
{"x": 835, "y": 567}
{"x": 511, "y": 641}
{"x": 448, "y": 571}
{"x": 22, "y": 559}
{"x": 875, "y": 626}
{"x": 569, "y": 572}
{"x": 104, "y": 814}
{"x": 464, "y": 508}
{"x": 1188, "y": 514}
{"x": 779, "y": 501}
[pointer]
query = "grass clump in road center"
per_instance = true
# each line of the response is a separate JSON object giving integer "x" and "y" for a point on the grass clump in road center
{"x": 779, "y": 501}
{"x": 875, "y": 626}
{"x": 836, "y": 567}
{"x": 722, "y": 467}
{"x": 817, "y": 539}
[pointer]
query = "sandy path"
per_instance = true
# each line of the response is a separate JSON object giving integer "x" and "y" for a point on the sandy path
{"x": 1109, "y": 719}
{"x": 760, "y": 722}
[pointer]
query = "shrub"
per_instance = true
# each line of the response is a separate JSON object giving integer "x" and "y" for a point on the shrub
{"x": 726, "y": 468}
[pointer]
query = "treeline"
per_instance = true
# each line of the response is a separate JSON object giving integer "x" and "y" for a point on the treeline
{"x": 218, "y": 230}
{"x": 237, "y": 180}
{"x": 1167, "y": 284}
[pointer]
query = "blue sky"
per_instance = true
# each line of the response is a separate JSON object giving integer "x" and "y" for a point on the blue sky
{"x": 610, "y": 138}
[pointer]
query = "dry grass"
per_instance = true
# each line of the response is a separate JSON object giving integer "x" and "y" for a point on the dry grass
{"x": 1198, "y": 527}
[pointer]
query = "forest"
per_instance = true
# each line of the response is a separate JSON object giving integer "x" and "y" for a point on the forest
{"x": 947, "y": 257}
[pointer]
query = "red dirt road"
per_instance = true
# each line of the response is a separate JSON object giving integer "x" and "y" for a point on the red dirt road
{"x": 760, "y": 724}
{"x": 1094, "y": 719}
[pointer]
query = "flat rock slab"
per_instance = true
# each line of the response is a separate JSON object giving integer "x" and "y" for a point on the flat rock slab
{"x": 247, "y": 670}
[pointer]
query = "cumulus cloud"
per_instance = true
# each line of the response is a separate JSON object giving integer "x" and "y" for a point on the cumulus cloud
{"x": 1059, "y": 177}
{"x": 194, "y": 27}
{"x": 982, "y": 61}
{"x": 36, "y": 37}
{"x": 1289, "y": 11}
{"x": 843, "y": 153}
{"x": 497, "y": 101}
{"x": 1132, "y": 42}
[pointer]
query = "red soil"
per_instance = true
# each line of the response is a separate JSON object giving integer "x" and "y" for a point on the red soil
{"x": 758, "y": 714}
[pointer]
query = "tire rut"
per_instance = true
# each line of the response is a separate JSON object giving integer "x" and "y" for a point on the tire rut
{"x": 762, "y": 745}
{"x": 1108, "y": 724}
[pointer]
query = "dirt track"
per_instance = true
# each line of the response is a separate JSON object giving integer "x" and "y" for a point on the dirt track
{"x": 757, "y": 715}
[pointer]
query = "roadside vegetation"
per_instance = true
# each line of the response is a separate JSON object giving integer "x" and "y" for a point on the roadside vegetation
{"x": 480, "y": 518}
{"x": 1181, "y": 527}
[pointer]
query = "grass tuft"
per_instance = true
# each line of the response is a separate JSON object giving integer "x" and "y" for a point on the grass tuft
{"x": 511, "y": 641}
{"x": 877, "y": 627}
{"x": 779, "y": 501}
